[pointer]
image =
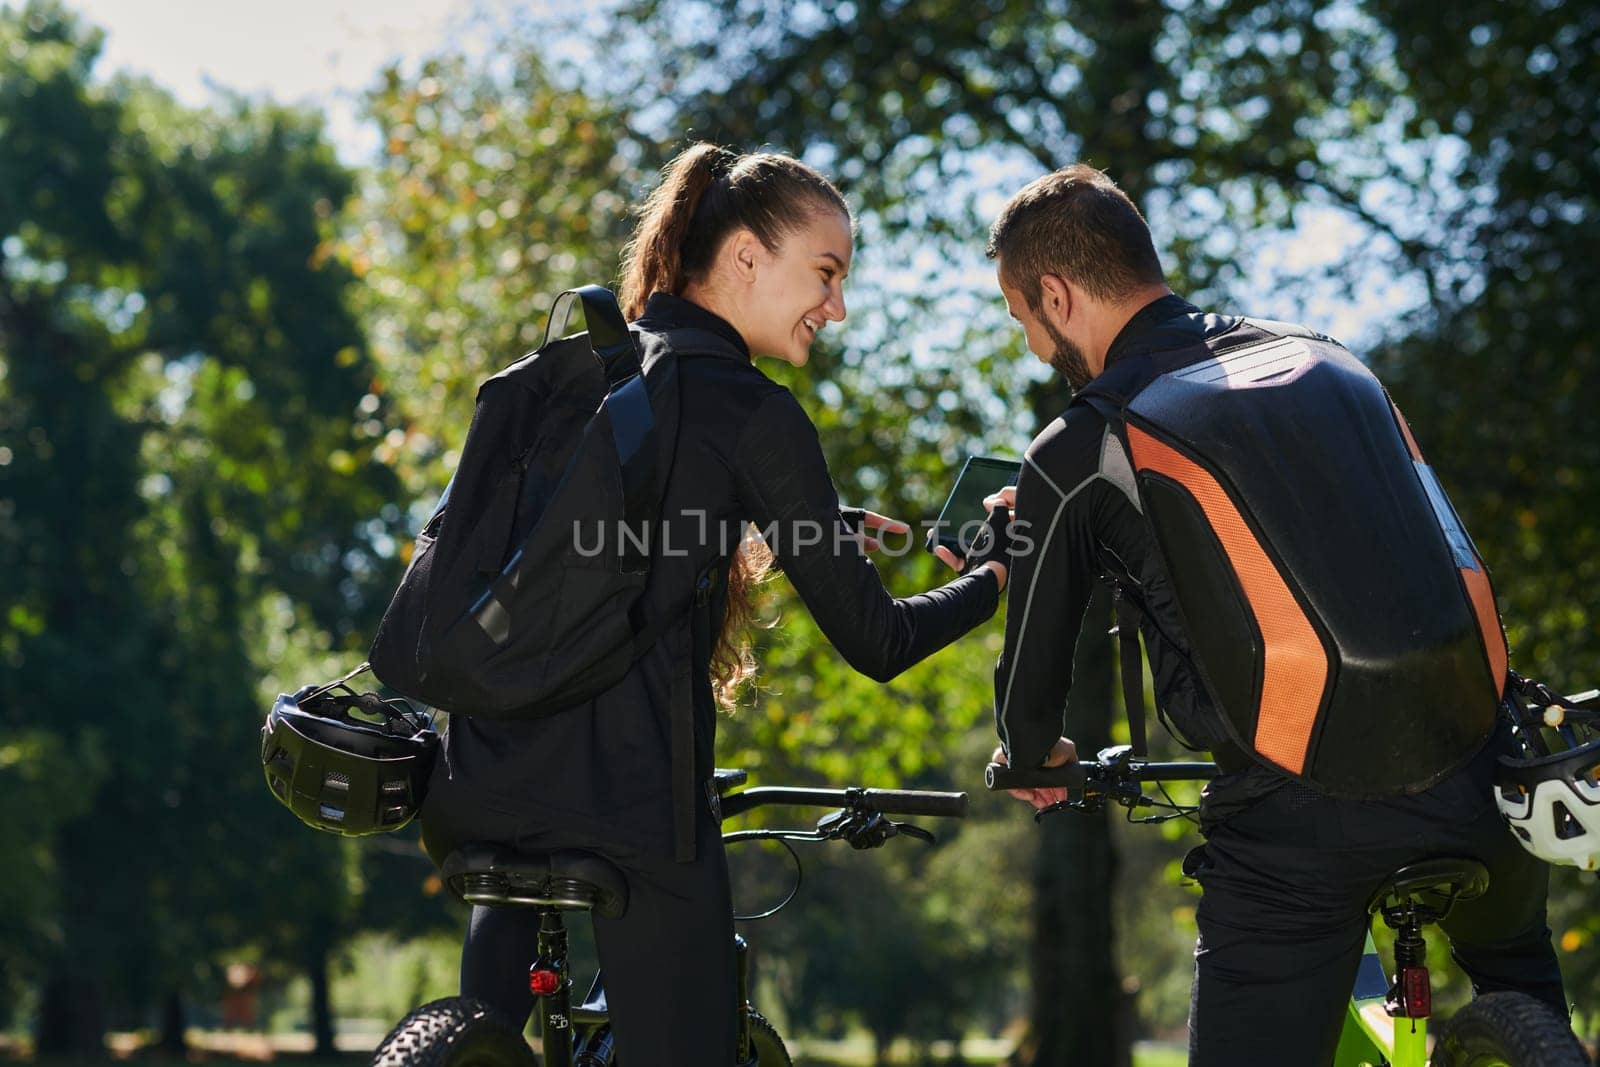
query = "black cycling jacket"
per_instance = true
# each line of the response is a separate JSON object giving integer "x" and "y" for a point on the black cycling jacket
{"x": 745, "y": 452}
{"x": 1075, "y": 498}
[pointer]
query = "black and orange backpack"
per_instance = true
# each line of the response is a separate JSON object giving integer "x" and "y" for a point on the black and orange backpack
{"x": 1342, "y": 620}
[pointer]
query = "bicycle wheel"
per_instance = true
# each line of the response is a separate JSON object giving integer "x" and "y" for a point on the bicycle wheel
{"x": 766, "y": 1044}
{"x": 454, "y": 1032}
{"x": 1508, "y": 1030}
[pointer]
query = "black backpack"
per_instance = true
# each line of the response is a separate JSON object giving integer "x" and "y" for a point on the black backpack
{"x": 505, "y": 611}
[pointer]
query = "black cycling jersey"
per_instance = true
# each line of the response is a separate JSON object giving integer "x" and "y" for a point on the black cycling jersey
{"x": 745, "y": 453}
{"x": 1077, "y": 500}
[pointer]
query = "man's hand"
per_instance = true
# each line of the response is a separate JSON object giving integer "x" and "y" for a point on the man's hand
{"x": 1006, "y": 496}
{"x": 1063, "y": 751}
{"x": 956, "y": 563}
{"x": 1002, "y": 500}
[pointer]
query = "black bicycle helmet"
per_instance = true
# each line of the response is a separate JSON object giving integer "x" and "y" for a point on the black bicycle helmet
{"x": 347, "y": 775}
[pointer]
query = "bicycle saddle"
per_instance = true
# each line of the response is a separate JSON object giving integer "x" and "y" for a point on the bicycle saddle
{"x": 1446, "y": 880}
{"x": 565, "y": 879}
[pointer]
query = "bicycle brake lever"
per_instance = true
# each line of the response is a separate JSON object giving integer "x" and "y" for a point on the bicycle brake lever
{"x": 1085, "y": 802}
{"x": 914, "y": 831}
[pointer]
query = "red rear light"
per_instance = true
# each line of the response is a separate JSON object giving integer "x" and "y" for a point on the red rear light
{"x": 543, "y": 982}
{"x": 1417, "y": 995}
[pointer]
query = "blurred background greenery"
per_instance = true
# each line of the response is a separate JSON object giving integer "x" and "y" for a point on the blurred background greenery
{"x": 234, "y": 371}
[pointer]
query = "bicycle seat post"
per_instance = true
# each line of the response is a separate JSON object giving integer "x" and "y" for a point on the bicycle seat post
{"x": 1411, "y": 996}
{"x": 552, "y": 988}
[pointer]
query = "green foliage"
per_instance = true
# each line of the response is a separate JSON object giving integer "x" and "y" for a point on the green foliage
{"x": 498, "y": 188}
{"x": 1500, "y": 381}
{"x": 183, "y": 507}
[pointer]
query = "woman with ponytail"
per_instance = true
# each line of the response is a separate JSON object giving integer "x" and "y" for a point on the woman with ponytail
{"x": 733, "y": 257}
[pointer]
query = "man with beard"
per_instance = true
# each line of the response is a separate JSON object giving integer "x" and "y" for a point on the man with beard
{"x": 1382, "y": 711}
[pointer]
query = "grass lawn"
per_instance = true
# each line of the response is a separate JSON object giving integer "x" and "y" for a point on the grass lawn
{"x": 1145, "y": 1055}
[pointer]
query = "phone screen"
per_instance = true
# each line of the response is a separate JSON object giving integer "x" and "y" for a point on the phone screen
{"x": 964, "y": 512}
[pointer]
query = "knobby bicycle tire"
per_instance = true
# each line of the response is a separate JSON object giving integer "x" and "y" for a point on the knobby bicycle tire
{"x": 454, "y": 1032}
{"x": 1508, "y": 1030}
{"x": 766, "y": 1044}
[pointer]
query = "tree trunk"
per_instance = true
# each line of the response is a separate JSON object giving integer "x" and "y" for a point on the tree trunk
{"x": 321, "y": 1003}
{"x": 71, "y": 1016}
{"x": 1071, "y": 1021}
{"x": 882, "y": 1043}
{"x": 174, "y": 1039}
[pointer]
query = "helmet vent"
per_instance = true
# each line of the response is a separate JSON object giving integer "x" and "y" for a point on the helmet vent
{"x": 396, "y": 788}
{"x": 1566, "y": 826}
{"x": 335, "y": 780}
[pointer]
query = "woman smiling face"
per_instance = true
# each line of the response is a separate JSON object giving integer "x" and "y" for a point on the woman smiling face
{"x": 780, "y": 298}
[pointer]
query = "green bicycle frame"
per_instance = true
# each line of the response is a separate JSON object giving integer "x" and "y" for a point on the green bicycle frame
{"x": 1370, "y": 1037}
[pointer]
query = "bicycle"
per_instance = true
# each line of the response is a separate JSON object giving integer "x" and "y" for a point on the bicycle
{"x": 1386, "y": 1022}
{"x": 462, "y": 1032}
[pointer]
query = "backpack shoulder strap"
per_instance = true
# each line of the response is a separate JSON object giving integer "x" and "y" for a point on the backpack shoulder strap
{"x": 1132, "y": 669}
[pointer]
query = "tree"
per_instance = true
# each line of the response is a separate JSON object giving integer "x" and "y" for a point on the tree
{"x": 1499, "y": 378}
{"x": 185, "y": 507}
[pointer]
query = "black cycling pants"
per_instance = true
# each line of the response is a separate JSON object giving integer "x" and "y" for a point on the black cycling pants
{"x": 1283, "y": 921}
{"x": 668, "y": 962}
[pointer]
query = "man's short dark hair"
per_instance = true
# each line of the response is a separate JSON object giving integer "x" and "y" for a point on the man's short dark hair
{"x": 1077, "y": 224}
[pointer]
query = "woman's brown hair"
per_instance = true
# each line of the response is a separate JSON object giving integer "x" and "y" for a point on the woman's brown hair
{"x": 706, "y": 194}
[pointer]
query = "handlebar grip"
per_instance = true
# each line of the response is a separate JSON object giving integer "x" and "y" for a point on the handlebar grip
{"x": 998, "y": 776}
{"x": 917, "y": 802}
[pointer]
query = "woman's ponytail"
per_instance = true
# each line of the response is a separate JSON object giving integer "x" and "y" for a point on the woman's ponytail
{"x": 653, "y": 261}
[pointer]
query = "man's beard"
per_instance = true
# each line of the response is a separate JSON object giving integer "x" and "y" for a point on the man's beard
{"x": 1068, "y": 360}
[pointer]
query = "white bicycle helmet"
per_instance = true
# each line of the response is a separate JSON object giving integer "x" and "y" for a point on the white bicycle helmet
{"x": 1550, "y": 796}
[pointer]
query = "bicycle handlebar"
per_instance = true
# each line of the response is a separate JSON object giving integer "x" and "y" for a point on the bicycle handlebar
{"x": 1081, "y": 774}
{"x": 886, "y": 801}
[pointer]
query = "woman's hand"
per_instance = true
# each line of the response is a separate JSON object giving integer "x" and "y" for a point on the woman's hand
{"x": 864, "y": 524}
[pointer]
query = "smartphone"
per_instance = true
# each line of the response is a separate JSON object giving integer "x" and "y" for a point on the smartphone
{"x": 964, "y": 512}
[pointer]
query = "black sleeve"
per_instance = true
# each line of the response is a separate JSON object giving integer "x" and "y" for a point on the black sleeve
{"x": 1052, "y": 576}
{"x": 782, "y": 480}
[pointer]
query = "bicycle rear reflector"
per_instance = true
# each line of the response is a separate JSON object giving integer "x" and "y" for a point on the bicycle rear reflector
{"x": 543, "y": 982}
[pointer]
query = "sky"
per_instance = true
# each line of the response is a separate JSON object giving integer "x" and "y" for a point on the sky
{"x": 326, "y": 52}
{"x": 297, "y": 51}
